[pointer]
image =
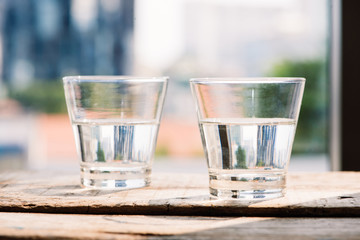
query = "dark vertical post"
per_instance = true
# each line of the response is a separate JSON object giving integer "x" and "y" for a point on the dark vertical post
{"x": 350, "y": 104}
{"x": 225, "y": 148}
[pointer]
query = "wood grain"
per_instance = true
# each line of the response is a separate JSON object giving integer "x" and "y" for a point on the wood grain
{"x": 79, "y": 226}
{"x": 331, "y": 194}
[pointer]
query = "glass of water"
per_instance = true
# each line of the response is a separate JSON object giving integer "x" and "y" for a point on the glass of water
{"x": 247, "y": 127}
{"x": 115, "y": 121}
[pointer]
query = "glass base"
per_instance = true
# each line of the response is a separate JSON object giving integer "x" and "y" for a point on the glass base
{"x": 115, "y": 177}
{"x": 246, "y": 185}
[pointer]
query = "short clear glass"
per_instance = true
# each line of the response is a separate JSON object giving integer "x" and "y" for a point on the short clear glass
{"x": 115, "y": 120}
{"x": 247, "y": 127}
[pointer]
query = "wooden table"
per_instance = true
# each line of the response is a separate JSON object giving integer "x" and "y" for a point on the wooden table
{"x": 41, "y": 205}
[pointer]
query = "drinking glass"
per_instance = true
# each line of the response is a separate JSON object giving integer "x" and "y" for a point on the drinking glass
{"x": 115, "y": 121}
{"x": 247, "y": 127}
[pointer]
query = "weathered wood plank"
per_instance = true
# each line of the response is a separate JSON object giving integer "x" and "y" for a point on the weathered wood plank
{"x": 316, "y": 194}
{"x": 79, "y": 226}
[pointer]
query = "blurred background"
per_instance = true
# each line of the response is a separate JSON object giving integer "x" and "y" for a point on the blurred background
{"x": 43, "y": 40}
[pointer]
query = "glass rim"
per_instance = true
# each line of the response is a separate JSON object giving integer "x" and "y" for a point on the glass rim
{"x": 113, "y": 78}
{"x": 215, "y": 80}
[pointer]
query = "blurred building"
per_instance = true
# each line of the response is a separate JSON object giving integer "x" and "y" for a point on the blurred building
{"x": 47, "y": 39}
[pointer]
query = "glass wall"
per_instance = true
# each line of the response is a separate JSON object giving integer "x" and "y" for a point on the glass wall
{"x": 43, "y": 40}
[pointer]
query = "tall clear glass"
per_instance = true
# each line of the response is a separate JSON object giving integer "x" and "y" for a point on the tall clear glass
{"x": 247, "y": 127}
{"x": 115, "y": 121}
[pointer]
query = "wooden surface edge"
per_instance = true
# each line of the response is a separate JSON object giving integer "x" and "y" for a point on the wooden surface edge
{"x": 230, "y": 211}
